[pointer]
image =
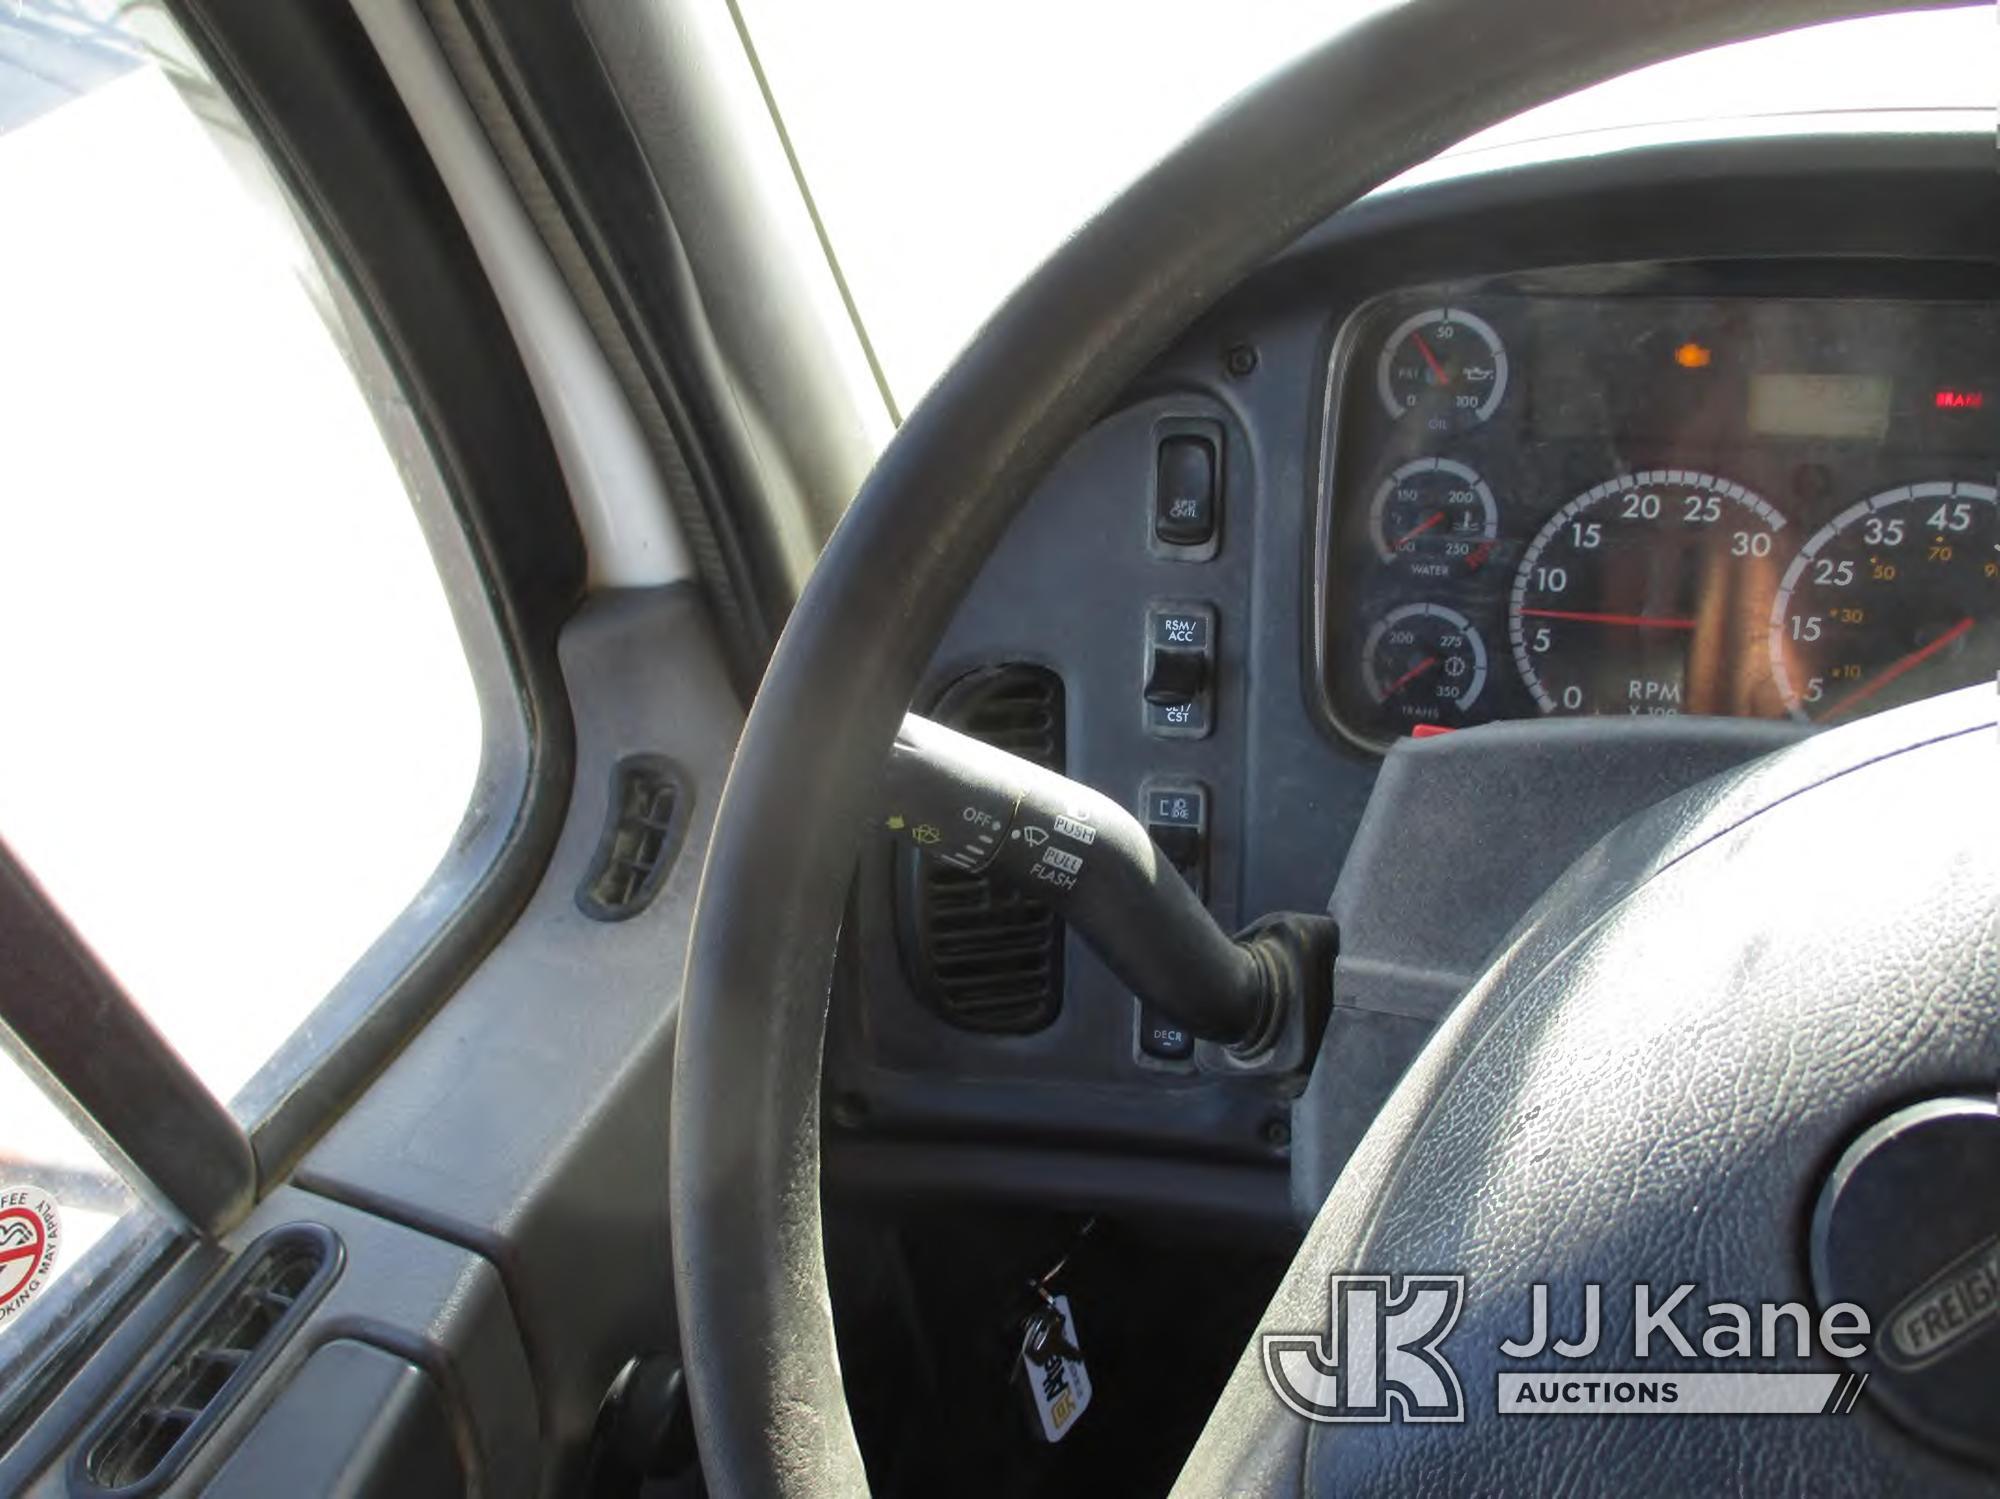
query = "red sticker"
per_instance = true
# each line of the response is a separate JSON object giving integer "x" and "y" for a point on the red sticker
{"x": 30, "y": 1235}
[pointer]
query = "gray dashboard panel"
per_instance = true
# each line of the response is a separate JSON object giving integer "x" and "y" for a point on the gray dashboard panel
{"x": 1462, "y": 837}
{"x": 528, "y": 1121}
{"x": 501, "y": 1190}
{"x": 437, "y": 1307}
{"x": 355, "y": 1421}
{"x": 1464, "y": 834}
{"x": 1069, "y": 586}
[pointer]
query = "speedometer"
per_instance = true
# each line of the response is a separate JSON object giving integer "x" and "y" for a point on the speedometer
{"x": 1894, "y": 598}
{"x": 1634, "y": 595}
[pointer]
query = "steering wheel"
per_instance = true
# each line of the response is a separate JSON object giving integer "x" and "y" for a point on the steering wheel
{"x": 1651, "y": 1084}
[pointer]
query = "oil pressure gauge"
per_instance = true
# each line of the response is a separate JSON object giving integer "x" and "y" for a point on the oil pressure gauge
{"x": 1444, "y": 369}
{"x": 1424, "y": 664}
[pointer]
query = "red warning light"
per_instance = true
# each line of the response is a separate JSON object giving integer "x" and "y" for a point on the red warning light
{"x": 1947, "y": 399}
{"x": 1693, "y": 356}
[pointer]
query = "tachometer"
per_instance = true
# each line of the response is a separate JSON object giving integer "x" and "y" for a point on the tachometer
{"x": 1444, "y": 368}
{"x": 1635, "y": 596}
{"x": 1893, "y": 599}
{"x": 1436, "y": 517}
{"x": 1424, "y": 663}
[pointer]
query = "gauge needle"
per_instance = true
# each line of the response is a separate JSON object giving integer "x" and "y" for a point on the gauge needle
{"x": 1410, "y": 676}
{"x": 1409, "y": 536}
{"x": 1894, "y": 670}
{"x": 1437, "y": 370}
{"x": 1636, "y": 621}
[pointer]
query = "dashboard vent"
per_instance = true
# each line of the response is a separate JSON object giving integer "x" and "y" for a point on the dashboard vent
{"x": 150, "y": 1436}
{"x": 984, "y": 956}
{"x": 642, "y": 835}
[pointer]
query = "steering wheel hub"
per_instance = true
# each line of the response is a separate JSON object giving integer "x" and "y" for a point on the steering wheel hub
{"x": 1909, "y": 1226}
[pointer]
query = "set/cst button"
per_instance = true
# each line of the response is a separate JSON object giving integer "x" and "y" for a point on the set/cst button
{"x": 1180, "y": 670}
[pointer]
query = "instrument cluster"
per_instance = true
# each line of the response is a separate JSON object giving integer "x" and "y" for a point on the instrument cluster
{"x": 1568, "y": 496}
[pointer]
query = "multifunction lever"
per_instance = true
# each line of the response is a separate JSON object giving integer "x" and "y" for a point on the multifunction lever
{"x": 982, "y": 810}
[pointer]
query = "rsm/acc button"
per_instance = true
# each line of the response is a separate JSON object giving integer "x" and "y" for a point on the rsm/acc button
{"x": 1180, "y": 670}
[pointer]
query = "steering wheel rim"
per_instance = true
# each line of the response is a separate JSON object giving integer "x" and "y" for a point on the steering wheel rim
{"x": 756, "y": 1321}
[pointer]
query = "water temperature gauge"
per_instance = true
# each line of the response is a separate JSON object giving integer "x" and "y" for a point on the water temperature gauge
{"x": 1424, "y": 664}
{"x": 1435, "y": 517}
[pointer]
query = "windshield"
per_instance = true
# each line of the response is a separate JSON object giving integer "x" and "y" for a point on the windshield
{"x": 950, "y": 148}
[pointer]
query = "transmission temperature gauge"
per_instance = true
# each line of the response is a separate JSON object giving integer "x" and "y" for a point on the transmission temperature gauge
{"x": 1424, "y": 664}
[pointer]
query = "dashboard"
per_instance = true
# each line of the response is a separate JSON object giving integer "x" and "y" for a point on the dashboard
{"x": 1644, "y": 459}
{"x": 1631, "y": 490}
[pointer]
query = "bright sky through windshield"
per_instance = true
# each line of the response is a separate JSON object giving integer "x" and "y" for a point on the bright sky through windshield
{"x": 950, "y": 147}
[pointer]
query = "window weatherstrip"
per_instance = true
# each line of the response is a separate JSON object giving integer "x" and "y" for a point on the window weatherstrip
{"x": 71, "y": 1025}
{"x": 621, "y": 504}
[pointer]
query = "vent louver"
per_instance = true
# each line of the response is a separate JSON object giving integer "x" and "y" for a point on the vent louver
{"x": 642, "y": 835}
{"x": 984, "y": 956}
{"x": 150, "y": 1436}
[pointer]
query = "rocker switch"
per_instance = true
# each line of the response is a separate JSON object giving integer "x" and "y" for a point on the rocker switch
{"x": 1177, "y": 676}
{"x": 1176, "y": 817}
{"x": 1179, "y": 687}
{"x": 1184, "y": 490}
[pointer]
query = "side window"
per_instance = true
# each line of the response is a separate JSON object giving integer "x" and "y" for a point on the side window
{"x": 238, "y": 729}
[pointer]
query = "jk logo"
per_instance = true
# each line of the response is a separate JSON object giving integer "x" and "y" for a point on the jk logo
{"x": 1378, "y": 1359}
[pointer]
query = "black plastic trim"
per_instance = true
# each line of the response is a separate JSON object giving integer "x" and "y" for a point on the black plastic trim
{"x": 1242, "y": 1203}
{"x": 85, "y": 1460}
{"x": 156, "y": 1272}
{"x": 1896, "y": 192}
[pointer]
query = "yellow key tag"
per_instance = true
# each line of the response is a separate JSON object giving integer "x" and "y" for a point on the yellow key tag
{"x": 1058, "y": 1383}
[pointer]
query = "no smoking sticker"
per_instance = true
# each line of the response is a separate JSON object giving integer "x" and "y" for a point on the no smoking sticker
{"x": 30, "y": 1235}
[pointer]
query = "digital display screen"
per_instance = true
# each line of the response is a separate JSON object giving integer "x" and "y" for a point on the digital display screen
{"x": 1820, "y": 405}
